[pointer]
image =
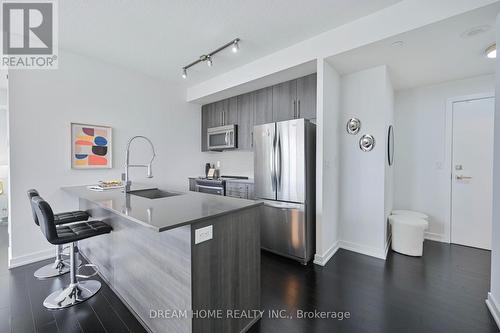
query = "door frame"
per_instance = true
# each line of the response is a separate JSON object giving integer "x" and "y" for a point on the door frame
{"x": 449, "y": 153}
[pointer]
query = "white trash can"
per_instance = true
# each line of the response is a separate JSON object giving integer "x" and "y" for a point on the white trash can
{"x": 410, "y": 213}
{"x": 408, "y": 234}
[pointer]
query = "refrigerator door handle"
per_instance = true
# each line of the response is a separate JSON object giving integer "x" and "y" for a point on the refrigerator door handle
{"x": 278, "y": 162}
{"x": 272, "y": 165}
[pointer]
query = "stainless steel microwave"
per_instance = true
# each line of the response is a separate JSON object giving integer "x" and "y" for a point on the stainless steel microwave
{"x": 222, "y": 137}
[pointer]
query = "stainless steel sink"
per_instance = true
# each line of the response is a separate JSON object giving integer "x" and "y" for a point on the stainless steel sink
{"x": 153, "y": 193}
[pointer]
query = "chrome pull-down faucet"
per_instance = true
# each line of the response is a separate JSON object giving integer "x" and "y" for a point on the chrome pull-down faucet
{"x": 126, "y": 178}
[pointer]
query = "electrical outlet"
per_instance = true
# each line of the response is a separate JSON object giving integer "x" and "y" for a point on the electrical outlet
{"x": 203, "y": 234}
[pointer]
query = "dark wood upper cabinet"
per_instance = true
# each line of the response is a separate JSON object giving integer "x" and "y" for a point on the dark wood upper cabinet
{"x": 212, "y": 115}
{"x": 231, "y": 113}
{"x": 306, "y": 97}
{"x": 209, "y": 118}
{"x": 288, "y": 100}
{"x": 284, "y": 101}
{"x": 226, "y": 112}
{"x": 263, "y": 113}
{"x": 220, "y": 109}
{"x": 295, "y": 99}
{"x": 246, "y": 108}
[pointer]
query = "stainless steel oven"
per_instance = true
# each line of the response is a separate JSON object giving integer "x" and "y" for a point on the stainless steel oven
{"x": 211, "y": 186}
{"x": 222, "y": 137}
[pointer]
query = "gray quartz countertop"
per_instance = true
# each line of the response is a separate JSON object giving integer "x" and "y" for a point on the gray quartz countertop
{"x": 164, "y": 213}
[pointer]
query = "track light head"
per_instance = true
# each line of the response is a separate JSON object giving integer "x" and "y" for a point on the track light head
{"x": 235, "y": 48}
{"x": 491, "y": 51}
{"x": 209, "y": 61}
{"x": 184, "y": 73}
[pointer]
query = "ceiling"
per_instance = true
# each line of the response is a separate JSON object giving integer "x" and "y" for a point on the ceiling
{"x": 432, "y": 54}
{"x": 159, "y": 37}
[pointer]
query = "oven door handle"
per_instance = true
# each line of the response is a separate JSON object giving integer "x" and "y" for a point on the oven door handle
{"x": 209, "y": 187}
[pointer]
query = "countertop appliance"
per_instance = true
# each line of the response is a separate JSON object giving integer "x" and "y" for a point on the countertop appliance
{"x": 222, "y": 137}
{"x": 284, "y": 167}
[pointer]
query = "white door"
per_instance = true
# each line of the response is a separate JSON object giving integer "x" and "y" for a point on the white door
{"x": 472, "y": 172}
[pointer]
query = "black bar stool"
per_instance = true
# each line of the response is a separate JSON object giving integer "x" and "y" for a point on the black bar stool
{"x": 77, "y": 291}
{"x": 59, "y": 266}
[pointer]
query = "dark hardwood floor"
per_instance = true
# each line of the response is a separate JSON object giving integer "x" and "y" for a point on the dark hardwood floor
{"x": 444, "y": 291}
{"x": 22, "y": 311}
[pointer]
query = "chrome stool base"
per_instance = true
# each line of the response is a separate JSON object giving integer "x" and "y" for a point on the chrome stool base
{"x": 74, "y": 294}
{"x": 57, "y": 268}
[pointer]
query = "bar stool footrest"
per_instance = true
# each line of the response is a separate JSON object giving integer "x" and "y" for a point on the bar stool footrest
{"x": 96, "y": 271}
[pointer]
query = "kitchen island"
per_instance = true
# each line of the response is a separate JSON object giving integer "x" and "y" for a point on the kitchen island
{"x": 183, "y": 263}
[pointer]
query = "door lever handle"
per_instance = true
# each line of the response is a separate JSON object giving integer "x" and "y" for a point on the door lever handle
{"x": 463, "y": 177}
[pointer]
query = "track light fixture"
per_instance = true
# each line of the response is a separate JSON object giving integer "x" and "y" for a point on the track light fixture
{"x": 234, "y": 44}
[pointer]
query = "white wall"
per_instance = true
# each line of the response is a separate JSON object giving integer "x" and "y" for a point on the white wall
{"x": 366, "y": 95}
{"x": 4, "y": 150}
{"x": 233, "y": 163}
{"x": 44, "y": 103}
{"x": 3, "y": 136}
{"x": 421, "y": 173}
{"x": 327, "y": 162}
{"x": 389, "y": 170}
{"x": 493, "y": 300}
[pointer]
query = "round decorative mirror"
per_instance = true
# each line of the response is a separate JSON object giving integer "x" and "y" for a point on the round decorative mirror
{"x": 367, "y": 142}
{"x": 390, "y": 145}
{"x": 353, "y": 126}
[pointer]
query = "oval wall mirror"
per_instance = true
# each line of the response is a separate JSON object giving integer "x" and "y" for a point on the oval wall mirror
{"x": 353, "y": 126}
{"x": 390, "y": 145}
{"x": 367, "y": 142}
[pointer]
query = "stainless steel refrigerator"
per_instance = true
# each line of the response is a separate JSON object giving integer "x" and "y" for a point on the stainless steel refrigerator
{"x": 284, "y": 172}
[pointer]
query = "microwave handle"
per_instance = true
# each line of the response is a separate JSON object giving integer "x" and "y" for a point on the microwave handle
{"x": 226, "y": 138}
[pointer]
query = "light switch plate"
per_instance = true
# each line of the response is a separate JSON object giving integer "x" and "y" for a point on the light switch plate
{"x": 203, "y": 234}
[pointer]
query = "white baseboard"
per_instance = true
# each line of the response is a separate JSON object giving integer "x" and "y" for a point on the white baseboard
{"x": 322, "y": 260}
{"x": 31, "y": 258}
{"x": 494, "y": 308}
{"x": 435, "y": 237}
{"x": 366, "y": 250}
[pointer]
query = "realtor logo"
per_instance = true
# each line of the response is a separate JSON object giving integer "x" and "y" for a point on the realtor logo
{"x": 29, "y": 33}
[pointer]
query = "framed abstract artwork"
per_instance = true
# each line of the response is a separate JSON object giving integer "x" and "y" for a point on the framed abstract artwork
{"x": 91, "y": 147}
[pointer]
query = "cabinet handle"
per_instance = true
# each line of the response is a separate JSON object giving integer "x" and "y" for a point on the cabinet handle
{"x": 298, "y": 108}
{"x": 252, "y": 141}
{"x": 294, "y": 109}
